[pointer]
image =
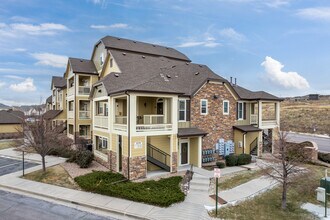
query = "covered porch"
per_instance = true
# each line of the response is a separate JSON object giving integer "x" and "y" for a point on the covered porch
{"x": 247, "y": 139}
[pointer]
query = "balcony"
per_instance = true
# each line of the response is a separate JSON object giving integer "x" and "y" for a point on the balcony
{"x": 269, "y": 123}
{"x": 153, "y": 123}
{"x": 70, "y": 114}
{"x": 101, "y": 122}
{"x": 84, "y": 90}
{"x": 84, "y": 114}
{"x": 120, "y": 123}
{"x": 253, "y": 119}
{"x": 71, "y": 91}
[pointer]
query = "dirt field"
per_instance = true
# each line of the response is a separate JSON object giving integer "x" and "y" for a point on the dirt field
{"x": 306, "y": 116}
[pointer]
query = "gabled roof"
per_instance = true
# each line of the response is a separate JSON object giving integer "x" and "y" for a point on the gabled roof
{"x": 79, "y": 65}
{"x": 111, "y": 42}
{"x": 58, "y": 82}
{"x": 11, "y": 117}
{"x": 246, "y": 94}
{"x": 49, "y": 99}
{"x": 51, "y": 114}
{"x": 156, "y": 74}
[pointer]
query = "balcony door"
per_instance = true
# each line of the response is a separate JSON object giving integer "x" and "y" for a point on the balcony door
{"x": 160, "y": 106}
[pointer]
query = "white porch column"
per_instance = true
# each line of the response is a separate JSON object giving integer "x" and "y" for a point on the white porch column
{"x": 278, "y": 110}
{"x": 132, "y": 117}
{"x": 259, "y": 114}
{"x": 200, "y": 151}
{"x": 174, "y": 114}
{"x": 111, "y": 111}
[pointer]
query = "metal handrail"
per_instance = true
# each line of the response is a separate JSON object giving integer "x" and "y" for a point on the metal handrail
{"x": 151, "y": 150}
{"x": 254, "y": 144}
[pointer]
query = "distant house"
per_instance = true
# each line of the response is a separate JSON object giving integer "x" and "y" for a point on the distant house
{"x": 11, "y": 124}
{"x": 313, "y": 97}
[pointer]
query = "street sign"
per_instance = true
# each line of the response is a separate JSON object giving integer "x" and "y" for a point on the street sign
{"x": 217, "y": 173}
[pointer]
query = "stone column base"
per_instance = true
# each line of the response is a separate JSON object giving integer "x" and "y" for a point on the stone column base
{"x": 174, "y": 164}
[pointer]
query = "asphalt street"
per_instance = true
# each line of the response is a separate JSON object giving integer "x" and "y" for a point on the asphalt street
{"x": 8, "y": 165}
{"x": 323, "y": 143}
{"x": 19, "y": 207}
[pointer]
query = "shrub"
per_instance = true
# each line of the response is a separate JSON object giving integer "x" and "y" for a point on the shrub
{"x": 62, "y": 152}
{"x": 231, "y": 160}
{"x": 84, "y": 158}
{"x": 325, "y": 157}
{"x": 244, "y": 159}
{"x": 220, "y": 164}
{"x": 163, "y": 192}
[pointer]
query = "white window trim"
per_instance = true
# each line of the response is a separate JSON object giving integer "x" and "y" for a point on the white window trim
{"x": 101, "y": 138}
{"x": 223, "y": 107}
{"x": 207, "y": 108}
{"x": 242, "y": 118}
{"x": 185, "y": 110}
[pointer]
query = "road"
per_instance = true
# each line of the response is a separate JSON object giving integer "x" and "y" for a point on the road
{"x": 322, "y": 142}
{"x": 19, "y": 207}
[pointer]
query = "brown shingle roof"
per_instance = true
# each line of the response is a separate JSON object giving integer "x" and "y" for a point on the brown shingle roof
{"x": 156, "y": 74}
{"x": 246, "y": 128}
{"x": 59, "y": 82}
{"x": 49, "y": 99}
{"x": 189, "y": 132}
{"x": 11, "y": 117}
{"x": 246, "y": 94}
{"x": 141, "y": 47}
{"x": 51, "y": 114}
{"x": 79, "y": 65}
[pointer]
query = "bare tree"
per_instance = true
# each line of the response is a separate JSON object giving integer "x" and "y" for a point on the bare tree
{"x": 43, "y": 139}
{"x": 285, "y": 163}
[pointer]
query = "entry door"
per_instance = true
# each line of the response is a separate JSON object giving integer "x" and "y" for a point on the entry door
{"x": 120, "y": 152}
{"x": 160, "y": 108}
{"x": 184, "y": 148}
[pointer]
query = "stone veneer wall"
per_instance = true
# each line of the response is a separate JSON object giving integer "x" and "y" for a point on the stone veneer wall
{"x": 113, "y": 161}
{"x": 214, "y": 123}
{"x": 137, "y": 169}
{"x": 102, "y": 162}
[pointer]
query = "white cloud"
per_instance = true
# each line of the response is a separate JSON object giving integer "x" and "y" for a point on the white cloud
{"x": 112, "y": 26}
{"x": 318, "y": 13}
{"x": 268, "y": 3}
{"x": 207, "y": 42}
{"x": 50, "y": 59}
{"x": 231, "y": 34}
{"x": 25, "y": 86}
{"x": 14, "y": 77}
{"x": 21, "y": 19}
{"x": 23, "y": 29}
{"x": 2, "y": 84}
{"x": 20, "y": 49}
{"x": 289, "y": 80}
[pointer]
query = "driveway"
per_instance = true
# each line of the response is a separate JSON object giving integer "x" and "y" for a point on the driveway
{"x": 9, "y": 165}
{"x": 17, "y": 207}
{"x": 323, "y": 143}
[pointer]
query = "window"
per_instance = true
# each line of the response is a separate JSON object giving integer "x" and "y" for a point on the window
{"x": 99, "y": 108}
{"x": 182, "y": 110}
{"x": 71, "y": 106}
{"x": 240, "y": 110}
{"x": 226, "y": 107}
{"x": 71, "y": 129}
{"x": 111, "y": 62}
{"x": 204, "y": 107}
{"x": 101, "y": 59}
{"x": 101, "y": 143}
{"x": 83, "y": 130}
{"x": 106, "y": 110}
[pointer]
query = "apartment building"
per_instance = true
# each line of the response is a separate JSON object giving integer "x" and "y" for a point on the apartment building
{"x": 147, "y": 107}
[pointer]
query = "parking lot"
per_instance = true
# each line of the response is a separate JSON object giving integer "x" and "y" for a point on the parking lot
{"x": 9, "y": 165}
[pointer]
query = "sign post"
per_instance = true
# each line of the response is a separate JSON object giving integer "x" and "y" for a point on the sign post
{"x": 217, "y": 174}
{"x": 23, "y": 161}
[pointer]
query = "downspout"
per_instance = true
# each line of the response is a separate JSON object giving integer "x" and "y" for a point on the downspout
{"x": 75, "y": 105}
{"x": 128, "y": 132}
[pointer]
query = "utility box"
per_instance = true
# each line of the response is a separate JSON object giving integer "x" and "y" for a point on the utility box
{"x": 325, "y": 183}
{"x": 320, "y": 194}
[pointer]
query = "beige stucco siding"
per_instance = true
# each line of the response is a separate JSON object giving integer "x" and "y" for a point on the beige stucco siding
{"x": 138, "y": 151}
{"x": 249, "y": 138}
{"x": 99, "y": 49}
{"x": 193, "y": 151}
{"x": 10, "y": 128}
{"x": 161, "y": 142}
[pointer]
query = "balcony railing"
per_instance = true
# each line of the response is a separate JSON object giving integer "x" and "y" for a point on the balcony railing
{"x": 71, "y": 91}
{"x": 121, "y": 120}
{"x": 70, "y": 114}
{"x": 156, "y": 127}
{"x": 153, "y": 119}
{"x": 101, "y": 122}
{"x": 253, "y": 119}
{"x": 84, "y": 90}
{"x": 120, "y": 127}
{"x": 84, "y": 114}
{"x": 269, "y": 123}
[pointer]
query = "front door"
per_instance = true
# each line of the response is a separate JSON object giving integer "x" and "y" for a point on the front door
{"x": 184, "y": 147}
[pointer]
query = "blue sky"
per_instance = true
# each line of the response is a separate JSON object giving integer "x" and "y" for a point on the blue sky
{"x": 280, "y": 46}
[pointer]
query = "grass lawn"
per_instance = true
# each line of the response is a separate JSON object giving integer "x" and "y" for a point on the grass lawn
{"x": 268, "y": 205}
{"x": 55, "y": 175}
{"x": 163, "y": 192}
{"x": 229, "y": 182}
{"x": 7, "y": 144}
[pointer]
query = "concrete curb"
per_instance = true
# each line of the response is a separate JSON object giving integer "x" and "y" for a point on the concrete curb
{"x": 115, "y": 211}
{"x": 309, "y": 134}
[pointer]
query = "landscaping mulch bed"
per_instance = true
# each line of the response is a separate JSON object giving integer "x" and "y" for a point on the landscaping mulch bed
{"x": 74, "y": 170}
